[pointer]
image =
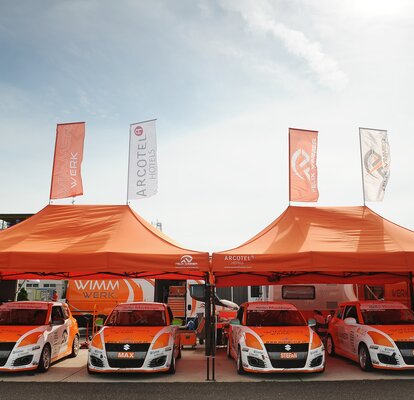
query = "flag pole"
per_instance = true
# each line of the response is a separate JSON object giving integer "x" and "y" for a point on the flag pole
{"x": 290, "y": 185}
{"x": 362, "y": 166}
{"x": 129, "y": 161}
{"x": 53, "y": 166}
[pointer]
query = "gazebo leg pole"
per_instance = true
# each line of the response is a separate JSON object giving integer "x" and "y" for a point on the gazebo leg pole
{"x": 207, "y": 316}
{"x": 213, "y": 331}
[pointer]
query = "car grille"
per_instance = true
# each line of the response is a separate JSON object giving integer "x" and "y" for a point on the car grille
{"x": 275, "y": 350}
{"x": 5, "y": 350}
{"x": 132, "y": 347}
{"x": 139, "y": 349}
{"x": 407, "y": 351}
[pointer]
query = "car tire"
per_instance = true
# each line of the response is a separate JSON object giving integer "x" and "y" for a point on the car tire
{"x": 330, "y": 346}
{"x": 75, "y": 347}
{"x": 172, "y": 369}
{"x": 90, "y": 372}
{"x": 364, "y": 358}
{"x": 240, "y": 369}
{"x": 228, "y": 350}
{"x": 45, "y": 359}
{"x": 179, "y": 354}
{"x": 201, "y": 341}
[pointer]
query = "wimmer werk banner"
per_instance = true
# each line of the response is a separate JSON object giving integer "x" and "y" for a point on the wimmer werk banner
{"x": 143, "y": 170}
{"x": 66, "y": 174}
{"x": 375, "y": 161}
{"x": 303, "y": 175}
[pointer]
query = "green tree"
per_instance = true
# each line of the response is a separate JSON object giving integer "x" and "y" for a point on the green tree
{"x": 22, "y": 295}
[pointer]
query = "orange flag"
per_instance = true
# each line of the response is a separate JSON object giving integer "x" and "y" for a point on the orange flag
{"x": 302, "y": 164}
{"x": 66, "y": 175}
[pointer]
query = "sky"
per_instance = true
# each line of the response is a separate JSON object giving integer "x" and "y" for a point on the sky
{"x": 225, "y": 80}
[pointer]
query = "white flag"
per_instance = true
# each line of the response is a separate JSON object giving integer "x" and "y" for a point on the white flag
{"x": 375, "y": 153}
{"x": 143, "y": 170}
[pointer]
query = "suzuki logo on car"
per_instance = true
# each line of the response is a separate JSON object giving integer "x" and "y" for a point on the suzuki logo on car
{"x": 288, "y": 347}
{"x": 127, "y": 346}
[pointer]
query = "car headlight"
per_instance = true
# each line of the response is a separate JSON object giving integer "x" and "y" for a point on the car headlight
{"x": 316, "y": 341}
{"x": 252, "y": 341}
{"x": 33, "y": 338}
{"x": 162, "y": 341}
{"x": 97, "y": 342}
{"x": 379, "y": 339}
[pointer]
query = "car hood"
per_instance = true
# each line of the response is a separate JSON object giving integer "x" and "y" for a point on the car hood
{"x": 283, "y": 334}
{"x": 130, "y": 334}
{"x": 399, "y": 333}
{"x": 14, "y": 333}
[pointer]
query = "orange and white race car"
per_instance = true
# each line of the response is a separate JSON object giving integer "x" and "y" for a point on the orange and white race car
{"x": 34, "y": 334}
{"x": 274, "y": 337}
{"x": 136, "y": 337}
{"x": 376, "y": 334}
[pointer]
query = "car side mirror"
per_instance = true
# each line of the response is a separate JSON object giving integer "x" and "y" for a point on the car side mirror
{"x": 311, "y": 322}
{"x": 235, "y": 322}
{"x": 350, "y": 321}
{"x": 58, "y": 321}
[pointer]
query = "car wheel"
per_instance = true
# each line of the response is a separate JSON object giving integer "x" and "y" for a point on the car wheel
{"x": 364, "y": 358}
{"x": 171, "y": 370}
{"x": 240, "y": 369}
{"x": 45, "y": 359}
{"x": 75, "y": 346}
{"x": 90, "y": 372}
{"x": 179, "y": 354}
{"x": 201, "y": 341}
{"x": 228, "y": 349}
{"x": 330, "y": 346}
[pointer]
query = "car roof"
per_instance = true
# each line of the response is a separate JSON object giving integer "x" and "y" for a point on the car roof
{"x": 369, "y": 302}
{"x": 264, "y": 303}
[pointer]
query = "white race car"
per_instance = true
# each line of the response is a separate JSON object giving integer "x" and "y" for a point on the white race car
{"x": 376, "y": 334}
{"x": 34, "y": 334}
{"x": 136, "y": 337}
{"x": 274, "y": 337}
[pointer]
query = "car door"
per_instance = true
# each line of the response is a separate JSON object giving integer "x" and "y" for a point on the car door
{"x": 58, "y": 337}
{"x": 335, "y": 327}
{"x": 235, "y": 331}
{"x": 349, "y": 331}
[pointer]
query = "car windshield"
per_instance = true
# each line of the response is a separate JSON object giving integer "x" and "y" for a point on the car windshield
{"x": 274, "y": 318}
{"x": 21, "y": 316}
{"x": 388, "y": 317}
{"x": 136, "y": 318}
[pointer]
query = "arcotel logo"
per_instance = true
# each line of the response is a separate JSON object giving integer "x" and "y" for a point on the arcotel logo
{"x": 127, "y": 346}
{"x": 138, "y": 130}
{"x": 186, "y": 261}
{"x": 238, "y": 258}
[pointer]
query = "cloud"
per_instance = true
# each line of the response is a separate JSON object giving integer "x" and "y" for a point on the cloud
{"x": 260, "y": 18}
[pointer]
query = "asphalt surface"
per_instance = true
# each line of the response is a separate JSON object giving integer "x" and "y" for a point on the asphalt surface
{"x": 355, "y": 390}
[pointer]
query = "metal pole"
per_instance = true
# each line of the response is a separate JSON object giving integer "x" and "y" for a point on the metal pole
{"x": 213, "y": 330}
{"x": 290, "y": 184}
{"x": 362, "y": 166}
{"x": 207, "y": 316}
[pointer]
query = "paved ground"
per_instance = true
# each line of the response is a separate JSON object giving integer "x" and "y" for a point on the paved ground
{"x": 349, "y": 390}
{"x": 192, "y": 368}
